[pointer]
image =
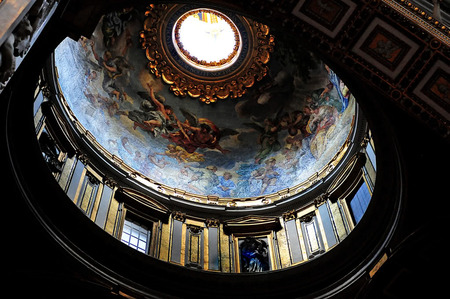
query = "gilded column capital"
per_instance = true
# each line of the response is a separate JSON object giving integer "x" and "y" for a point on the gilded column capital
{"x": 321, "y": 199}
{"x": 289, "y": 215}
{"x": 194, "y": 229}
{"x": 83, "y": 158}
{"x": 212, "y": 222}
{"x": 177, "y": 215}
{"x": 110, "y": 182}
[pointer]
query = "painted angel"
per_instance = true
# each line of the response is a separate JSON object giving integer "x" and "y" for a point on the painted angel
{"x": 197, "y": 133}
{"x": 268, "y": 137}
{"x": 154, "y": 116}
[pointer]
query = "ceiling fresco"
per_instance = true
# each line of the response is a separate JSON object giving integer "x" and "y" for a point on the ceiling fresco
{"x": 285, "y": 128}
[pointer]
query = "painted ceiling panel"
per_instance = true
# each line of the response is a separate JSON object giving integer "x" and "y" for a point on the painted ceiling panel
{"x": 284, "y": 129}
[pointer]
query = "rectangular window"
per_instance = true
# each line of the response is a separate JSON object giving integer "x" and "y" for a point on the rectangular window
{"x": 359, "y": 202}
{"x": 136, "y": 236}
{"x": 39, "y": 117}
{"x": 37, "y": 102}
{"x": 369, "y": 175}
{"x": 371, "y": 154}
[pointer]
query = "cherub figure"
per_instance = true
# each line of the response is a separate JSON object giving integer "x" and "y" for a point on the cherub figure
{"x": 182, "y": 155}
{"x": 269, "y": 176}
{"x": 113, "y": 67}
{"x": 226, "y": 185}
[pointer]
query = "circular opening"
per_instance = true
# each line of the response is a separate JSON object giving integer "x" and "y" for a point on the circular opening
{"x": 207, "y": 39}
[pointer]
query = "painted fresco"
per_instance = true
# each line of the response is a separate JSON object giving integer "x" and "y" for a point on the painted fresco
{"x": 281, "y": 132}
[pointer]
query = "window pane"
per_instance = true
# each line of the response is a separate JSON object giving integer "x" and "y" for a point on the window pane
{"x": 37, "y": 102}
{"x": 134, "y": 232}
{"x": 143, "y": 237}
{"x": 135, "y": 235}
{"x": 360, "y": 202}
{"x": 371, "y": 155}
{"x": 133, "y": 241}
{"x": 213, "y": 245}
{"x": 126, "y": 230}
{"x": 142, "y": 245}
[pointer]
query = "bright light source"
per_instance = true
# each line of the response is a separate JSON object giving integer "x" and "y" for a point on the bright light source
{"x": 207, "y": 39}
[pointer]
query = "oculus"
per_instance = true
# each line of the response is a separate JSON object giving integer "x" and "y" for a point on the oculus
{"x": 195, "y": 67}
{"x": 207, "y": 39}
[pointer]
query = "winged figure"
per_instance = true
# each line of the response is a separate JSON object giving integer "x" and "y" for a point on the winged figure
{"x": 268, "y": 136}
{"x": 197, "y": 133}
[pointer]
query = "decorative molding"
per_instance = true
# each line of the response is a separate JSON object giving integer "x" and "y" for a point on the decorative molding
{"x": 434, "y": 88}
{"x": 92, "y": 179}
{"x": 308, "y": 217}
{"x": 289, "y": 215}
{"x": 177, "y": 215}
{"x": 252, "y": 224}
{"x": 212, "y": 222}
{"x": 329, "y": 18}
{"x": 110, "y": 182}
{"x": 141, "y": 203}
{"x": 320, "y": 200}
{"x": 83, "y": 158}
{"x": 386, "y": 48}
{"x": 349, "y": 174}
{"x": 194, "y": 229}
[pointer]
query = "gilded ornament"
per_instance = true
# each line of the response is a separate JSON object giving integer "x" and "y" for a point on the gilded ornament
{"x": 210, "y": 87}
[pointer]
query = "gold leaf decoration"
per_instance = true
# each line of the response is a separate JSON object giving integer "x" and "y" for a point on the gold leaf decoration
{"x": 252, "y": 68}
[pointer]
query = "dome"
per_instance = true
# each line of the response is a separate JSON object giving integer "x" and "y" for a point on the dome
{"x": 104, "y": 224}
{"x": 291, "y": 125}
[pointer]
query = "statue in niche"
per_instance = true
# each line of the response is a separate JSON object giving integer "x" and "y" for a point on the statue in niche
{"x": 254, "y": 255}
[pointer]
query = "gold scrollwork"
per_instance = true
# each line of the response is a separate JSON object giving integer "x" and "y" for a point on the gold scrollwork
{"x": 207, "y": 89}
